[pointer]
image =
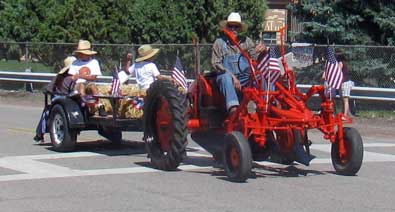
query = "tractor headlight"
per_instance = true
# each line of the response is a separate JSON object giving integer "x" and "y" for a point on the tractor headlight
{"x": 251, "y": 107}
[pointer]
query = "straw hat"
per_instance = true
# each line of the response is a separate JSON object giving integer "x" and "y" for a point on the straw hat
{"x": 233, "y": 18}
{"x": 84, "y": 47}
{"x": 146, "y": 52}
{"x": 67, "y": 63}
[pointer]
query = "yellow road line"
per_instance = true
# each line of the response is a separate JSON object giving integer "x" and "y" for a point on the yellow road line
{"x": 29, "y": 131}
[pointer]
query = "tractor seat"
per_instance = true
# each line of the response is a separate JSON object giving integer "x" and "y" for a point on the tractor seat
{"x": 210, "y": 95}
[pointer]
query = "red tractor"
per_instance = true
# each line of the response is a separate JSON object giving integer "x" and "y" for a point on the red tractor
{"x": 263, "y": 119}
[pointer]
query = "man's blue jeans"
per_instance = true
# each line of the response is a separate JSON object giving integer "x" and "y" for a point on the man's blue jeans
{"x": 227, "y": 88}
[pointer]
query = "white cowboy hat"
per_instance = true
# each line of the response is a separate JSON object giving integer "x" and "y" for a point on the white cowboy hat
{"x": 233, "y": 18}
{"x": 146, "y": 52}
{"x": 67, "y": 63}
{"x": 84, "y": 47}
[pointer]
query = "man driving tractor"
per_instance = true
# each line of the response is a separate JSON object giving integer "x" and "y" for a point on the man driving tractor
{"x": 232, "y": 70}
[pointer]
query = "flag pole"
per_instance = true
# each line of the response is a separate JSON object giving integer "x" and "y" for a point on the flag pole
{"x": 197, "y": 71}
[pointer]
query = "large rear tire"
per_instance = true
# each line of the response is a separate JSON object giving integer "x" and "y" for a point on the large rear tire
{"x": 237, "y": 157}
{"x": 351, "y": 163}
{"x": 165, "y": 131}
{"x": 63, "y": 138}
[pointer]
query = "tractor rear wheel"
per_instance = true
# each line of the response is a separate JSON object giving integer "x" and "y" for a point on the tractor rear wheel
{"x": 164, "y": 122}
{"x": 352, "y": 161}
{"x": 237, "y": 157}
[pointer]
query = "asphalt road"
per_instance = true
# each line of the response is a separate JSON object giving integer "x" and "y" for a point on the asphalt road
{"x": 98, "y": 177}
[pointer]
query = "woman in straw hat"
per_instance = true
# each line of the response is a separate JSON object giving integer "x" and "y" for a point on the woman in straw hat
{"x": 144, "y": 69}
{"x": 62, "y": 84}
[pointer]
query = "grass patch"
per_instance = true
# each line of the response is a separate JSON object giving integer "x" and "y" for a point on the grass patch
{"x": 17, "y": 66}
{"x": 382, "y": 114}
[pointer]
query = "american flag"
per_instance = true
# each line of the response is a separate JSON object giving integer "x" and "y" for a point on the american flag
{"x": 333, "y": 72}
{"x": 178, "y": 74}
{"x": 268, "y": 65}
{"x": 263, "y": 61}
{"x": 138, "y": 103}
{"x": 115, "y": 84}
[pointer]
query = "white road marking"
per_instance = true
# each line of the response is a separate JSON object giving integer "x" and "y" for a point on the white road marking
{"x": 60, "y": 155}
{"x": 31, "y": 168}
{"x": 327, "y": 147}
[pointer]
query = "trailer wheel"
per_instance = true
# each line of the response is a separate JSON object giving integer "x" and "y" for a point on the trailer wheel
{"x": 112, "y": 134}
{"x": 165, "y": 131}
{"x": 237, "y": 157}
{"x": 62, "y": 137}
{"x": 352, "y": 161}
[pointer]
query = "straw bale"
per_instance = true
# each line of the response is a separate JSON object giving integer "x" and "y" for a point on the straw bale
{"x": 126, "y": 107}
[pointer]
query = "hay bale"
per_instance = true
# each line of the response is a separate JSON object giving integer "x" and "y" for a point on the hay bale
{"x": 105, "y": 90}
{"x": 127, "y": 107}
{"x": 130, "y": 111}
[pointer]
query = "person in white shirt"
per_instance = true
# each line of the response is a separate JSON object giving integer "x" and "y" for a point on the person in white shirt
{"x": 145, "y": 70}
{"x": 86, "y": 69}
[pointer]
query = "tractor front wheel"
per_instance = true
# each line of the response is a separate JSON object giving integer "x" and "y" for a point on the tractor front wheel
{"x": 237, "y": 157}
{"x": 165, "y": 131}
{"x": 351, "y": 162}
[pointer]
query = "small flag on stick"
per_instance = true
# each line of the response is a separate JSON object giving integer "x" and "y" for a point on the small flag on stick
{"x": 269, "y": 65}
{"x": 115, "y": 84}
{"x": 333, "y": 72}
{"x": 178, "y": 74}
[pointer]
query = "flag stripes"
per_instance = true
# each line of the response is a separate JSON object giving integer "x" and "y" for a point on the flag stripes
{"x": 178, "y": 74}
{"x": 115, "y": 84}
{"x": 269, "y": 65}
{"x": 333, "y": 72}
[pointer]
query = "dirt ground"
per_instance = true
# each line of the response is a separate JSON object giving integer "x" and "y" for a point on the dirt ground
{"x": 367, "y": 127}
{"x": 35, "y": 99}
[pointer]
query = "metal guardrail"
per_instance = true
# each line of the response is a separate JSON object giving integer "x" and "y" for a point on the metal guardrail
{"x": 361, "y": 93}
{"x": 43, "y": 77}
{"x": 365, "y": 93}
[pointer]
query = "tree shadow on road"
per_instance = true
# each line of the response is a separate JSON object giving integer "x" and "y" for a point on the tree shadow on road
{"x": 258, "y": 170}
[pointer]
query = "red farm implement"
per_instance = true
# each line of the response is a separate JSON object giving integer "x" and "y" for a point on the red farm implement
{"x": 265, "y": 119}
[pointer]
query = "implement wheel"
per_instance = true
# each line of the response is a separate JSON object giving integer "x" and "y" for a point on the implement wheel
{"x": 62, "y": 137}
{"x": 237, "y": 157}
{"x": 352, "y": 161}
{"x": 165, "y": 131}
{"x": 286, "y": 141}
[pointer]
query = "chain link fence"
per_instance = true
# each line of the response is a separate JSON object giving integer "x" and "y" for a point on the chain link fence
{"x": 370, "y": 66}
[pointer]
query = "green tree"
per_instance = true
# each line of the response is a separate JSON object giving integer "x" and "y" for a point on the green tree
{"x": 206, "y": 15}
{"x": 123, "y": 21}
{"x": 347, "y": 22}
{"x": 353, "y": 22}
